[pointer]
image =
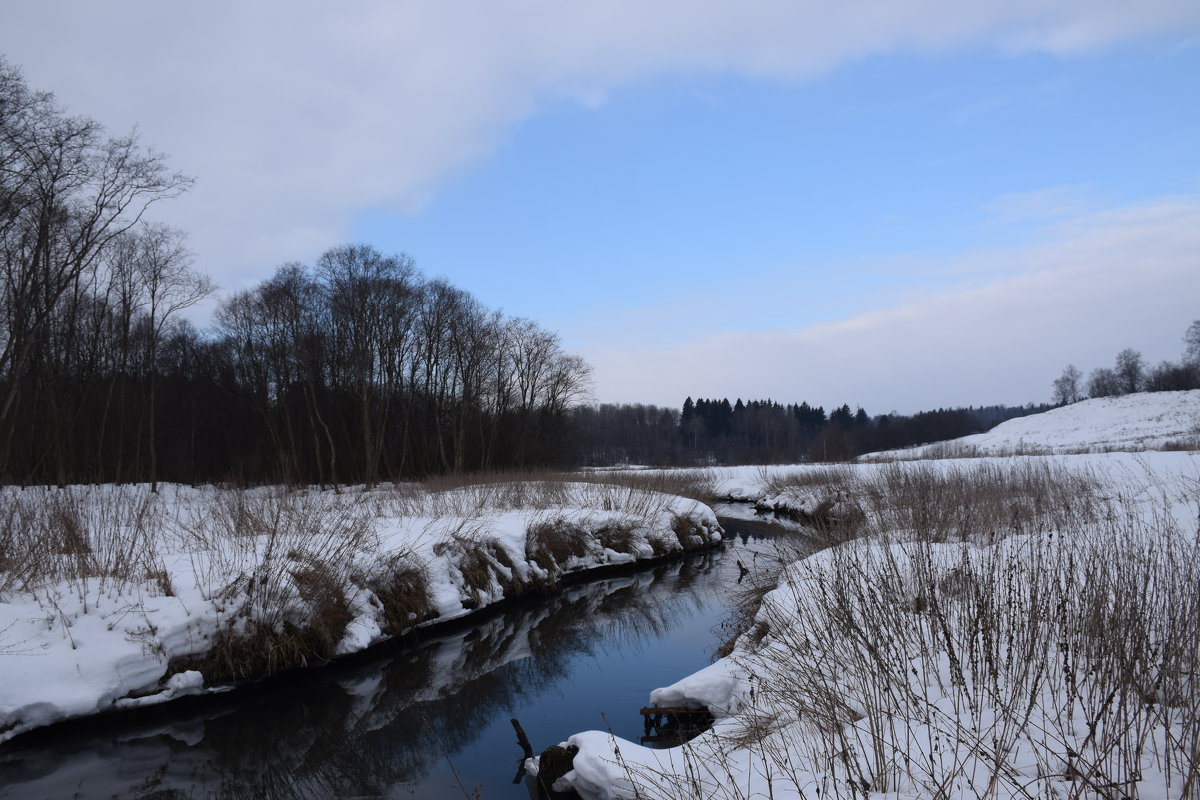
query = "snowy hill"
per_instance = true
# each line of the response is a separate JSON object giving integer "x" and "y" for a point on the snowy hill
{"x": 1143, "y": 421}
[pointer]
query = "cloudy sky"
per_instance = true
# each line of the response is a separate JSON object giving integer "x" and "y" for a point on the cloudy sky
{"x": 899, "y": 205}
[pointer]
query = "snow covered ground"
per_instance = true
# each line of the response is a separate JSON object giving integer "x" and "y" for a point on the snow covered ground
{"x": 114, "y": 596}
{"x": 1020, "y": 626}
{"x": 1143, "y": 421}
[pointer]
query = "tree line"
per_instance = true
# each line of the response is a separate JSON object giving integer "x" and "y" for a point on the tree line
{"x": 1130, "y": 374}
{"x": 715, "y": 431}
{"x": 355, "y": 368}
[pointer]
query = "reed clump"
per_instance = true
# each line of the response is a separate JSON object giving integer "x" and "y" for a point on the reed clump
{"x": 552, "y": 543}
{"x": 402, "y": 589}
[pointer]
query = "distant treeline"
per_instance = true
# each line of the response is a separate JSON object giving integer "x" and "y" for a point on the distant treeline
{"x": 1130, "y": 374}
{"x": 714, "y": 431}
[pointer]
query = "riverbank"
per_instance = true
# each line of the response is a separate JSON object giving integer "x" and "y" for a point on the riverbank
{"x": 115, "y": 597}
{"x": 403, "y": 719}
{"x": 1002, "y": 627}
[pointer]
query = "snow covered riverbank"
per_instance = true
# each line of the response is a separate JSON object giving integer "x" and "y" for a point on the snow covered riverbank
{"x": 112, "y": 597}
{"x": 1022, "y": 626}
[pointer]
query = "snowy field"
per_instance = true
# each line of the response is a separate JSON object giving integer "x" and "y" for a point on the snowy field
{"x": 1004, "y": 627}
{"x": 113, "y": 596}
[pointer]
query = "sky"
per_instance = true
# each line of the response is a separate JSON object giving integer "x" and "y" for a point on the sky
{"x": 899, "y": 206}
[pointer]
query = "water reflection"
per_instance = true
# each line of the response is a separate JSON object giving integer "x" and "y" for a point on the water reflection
{"x": 395, "y": 726}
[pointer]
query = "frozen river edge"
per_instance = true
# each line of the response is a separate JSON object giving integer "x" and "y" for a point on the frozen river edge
{"x": 213, "y": 578}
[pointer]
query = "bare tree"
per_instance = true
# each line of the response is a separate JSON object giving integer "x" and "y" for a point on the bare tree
{"x": 1130, "y": 370}
{"x": 1103, "y": 382}
{"x": 370, "y": 299}
{"x": 568, "y": 381}
{"x": 1171, "y": 377}
{"x": 533, "y": 351}
{"x": 163, "y": 267}
{"x": 1066, "y": 386}
{"x": 68, "y": 193}
{"x": 1191, "y": 343}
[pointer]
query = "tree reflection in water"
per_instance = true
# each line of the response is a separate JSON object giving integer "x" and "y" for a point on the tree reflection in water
{"x": 381, "y": 729}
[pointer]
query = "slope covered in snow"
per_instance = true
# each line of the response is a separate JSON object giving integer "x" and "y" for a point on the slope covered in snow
{"x": 1143, "y": 421}
{"x": 996, "y": 627}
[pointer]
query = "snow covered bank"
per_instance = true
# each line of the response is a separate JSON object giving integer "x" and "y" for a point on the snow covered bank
{"x": 985, "y": 636}
{"x": 1143, "y": 421}
{"x": 113, "y": 596}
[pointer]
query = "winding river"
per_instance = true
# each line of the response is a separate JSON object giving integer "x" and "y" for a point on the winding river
{"x": 429, "y": 720}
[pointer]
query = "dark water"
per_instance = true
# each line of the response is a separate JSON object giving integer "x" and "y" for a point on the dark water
{"x": 431, "y": 721}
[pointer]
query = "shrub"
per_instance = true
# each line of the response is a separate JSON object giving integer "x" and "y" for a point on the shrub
{"x": 617, "y": 537}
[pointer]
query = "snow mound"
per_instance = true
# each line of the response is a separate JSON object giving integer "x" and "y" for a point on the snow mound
{"x": 1143, "y": 421}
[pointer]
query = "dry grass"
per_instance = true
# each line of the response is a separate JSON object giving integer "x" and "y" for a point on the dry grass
{"x": 617, "y": 537}
{"x": 827, "y": 479}
{"x": 956, "y": 501}
{"x": 466, "y": 495}
{"x": 487, "y": 569}
{"x": 746, "y": 599}
{"x": 402, "y": 587}
{"x": 551, "y": 543}
{"x": 91, "y": 538}
{"x": 977, "y": 501}
{"x": 690, "y": 536}
{"x": 277, "y": 563}
{"x": 931, "y": 672}
{"x": 697, "y": 484}
{"x": 997, "y": 631}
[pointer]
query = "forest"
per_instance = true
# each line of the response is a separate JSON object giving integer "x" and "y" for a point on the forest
{"x": 350, "y": 370}
{"x": 713, "y": 431}
{"x": 356, "y": 368}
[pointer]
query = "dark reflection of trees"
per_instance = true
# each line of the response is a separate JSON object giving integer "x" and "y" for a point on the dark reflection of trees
{"x": 363, "y": 730}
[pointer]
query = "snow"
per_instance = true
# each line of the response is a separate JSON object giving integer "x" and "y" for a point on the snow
{"x": 712, "y": 688}
{"x": 800, "y": 712}
{"x": 1142, "y": 421}
{"x": 82, "y": 633}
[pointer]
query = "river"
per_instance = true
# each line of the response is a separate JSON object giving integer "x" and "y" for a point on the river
{"x": 427, "y": 720}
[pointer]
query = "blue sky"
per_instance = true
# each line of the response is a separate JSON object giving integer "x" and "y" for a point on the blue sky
{"x": 901, "y": 206}
{"x": 840, "y": 186}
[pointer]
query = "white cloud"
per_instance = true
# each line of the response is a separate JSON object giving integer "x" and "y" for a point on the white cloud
{"x": 1128, "y": 277}
{"x": 295, "y": 114}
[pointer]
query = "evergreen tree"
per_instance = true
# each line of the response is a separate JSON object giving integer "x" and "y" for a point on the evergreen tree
{"x": 842, "y": 417}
